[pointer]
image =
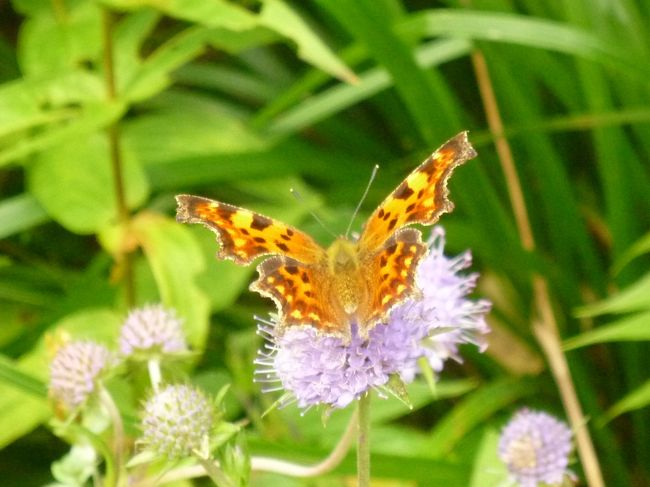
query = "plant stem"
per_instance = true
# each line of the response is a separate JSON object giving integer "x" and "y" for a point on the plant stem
{"x": 545, "y": 326}
{"x": 113, "y": 133}
{"x": 118, "y": 433}
{"x": 363, "y": 442}
{"x": 215, "y": 473}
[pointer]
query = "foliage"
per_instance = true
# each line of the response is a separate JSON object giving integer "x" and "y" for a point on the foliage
{"x": 108, "y": 109}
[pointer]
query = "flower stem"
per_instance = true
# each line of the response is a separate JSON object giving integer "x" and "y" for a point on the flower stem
{"x": 113, "y": 133}
{"x": 363, "y": 442}
{"x": 155, "y": 376}
{"x": 118, "y": 434}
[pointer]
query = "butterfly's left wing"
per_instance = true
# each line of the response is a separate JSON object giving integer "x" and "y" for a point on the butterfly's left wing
{"x": 392, "y": 252}
{"x": 244, "y": 235}
{"x": 422, "y": 196}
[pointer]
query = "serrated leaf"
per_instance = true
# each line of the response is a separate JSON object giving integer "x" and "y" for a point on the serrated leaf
{"x": 629, "y": 329}
{"x": 175, "y": 260}
{"x": 75, "y": 184}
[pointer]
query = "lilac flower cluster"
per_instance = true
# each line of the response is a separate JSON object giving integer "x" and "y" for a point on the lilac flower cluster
{"x": 149, "y": 329}
{"x": 316, "y": 369}
{"x": 535, "y": 447}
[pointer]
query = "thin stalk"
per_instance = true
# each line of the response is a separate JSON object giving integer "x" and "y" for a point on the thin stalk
{"x": 113, "y": 134}
{"x": 363, "y": 442}
{"x": 545, "y": 327}
{"x": 118, "y": 434}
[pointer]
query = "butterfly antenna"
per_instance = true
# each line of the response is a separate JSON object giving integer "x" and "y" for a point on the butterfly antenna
{"x": 299, "y": 197}
{"x": 365, "y": 193}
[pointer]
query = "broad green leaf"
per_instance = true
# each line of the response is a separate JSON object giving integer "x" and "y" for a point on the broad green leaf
{"x": 635, "y": 297}
{"x": 636, "y": 399}
{"x": 74, "y": 183}
{"x": 22, "y": 102}
{"x": 91, "y": 118}
{"x": 48, "y": 45}
{"x": 281, "y": 17}
{"x": 215, "y": 13}
{"x": 162, "y": 136}
{"x": 176, "y": 259}
{"x": 20, "y": 410}
{"x": 628, "y": 329}
{"x": 19, "y": 213}
{"x": 489, "y": 470}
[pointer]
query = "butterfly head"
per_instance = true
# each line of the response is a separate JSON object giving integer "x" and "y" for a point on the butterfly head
{"x": 342, "y": 256}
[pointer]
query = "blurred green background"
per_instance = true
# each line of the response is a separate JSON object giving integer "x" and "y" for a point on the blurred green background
{"x": 110, "y": 108}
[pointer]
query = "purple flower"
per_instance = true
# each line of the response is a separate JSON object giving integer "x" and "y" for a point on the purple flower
{"x": 75, "y": 370}
{"x": 317, "y": 369}
{"x": 150, "y": 330}
{"x": 536, "y": 447}
{"x": 177, "y": 421}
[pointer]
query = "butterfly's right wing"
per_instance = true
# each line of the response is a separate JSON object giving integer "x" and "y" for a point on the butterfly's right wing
{"x": 244, "y": 235}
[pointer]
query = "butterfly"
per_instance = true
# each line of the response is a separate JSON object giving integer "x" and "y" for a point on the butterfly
{"x": 352, "y": 281}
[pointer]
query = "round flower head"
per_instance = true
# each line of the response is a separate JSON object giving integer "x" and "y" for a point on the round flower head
{"x": 75, "y": 370}
{"x": 318, "y": 369}
{"x": 151, "y": 329}
{"x": 536, "y": 447}
{"x": 177, "y": 421}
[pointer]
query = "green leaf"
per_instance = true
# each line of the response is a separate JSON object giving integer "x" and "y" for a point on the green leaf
{"x": 633, "y": 328}
{"x": 92, "y": 117}
{"x": 74, "y": 183}
{"x": 635, "y": 297}
{"x": 489, "y": 470}
{"x": 523, "y": 30}
{"x": 175, "y": 260}
{"x": 636, "y": 399}
{"x": 474, "y": 410}
{"x": 327, "y": 103}
{"x": 281, "y": 17}
{"x": 215, "y": 13}
{"x": 642, "y": 246}
{"x": 49, "y": 45}
{"x": 20, "y": 213}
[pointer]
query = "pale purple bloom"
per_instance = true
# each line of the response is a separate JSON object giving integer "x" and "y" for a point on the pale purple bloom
{"x": 177, "y": 420}
{"x": 151, "y": 329}
{"x": 75, "y": 370}
{"x": 317, "y": 369}
{"x": 535, "y": 446}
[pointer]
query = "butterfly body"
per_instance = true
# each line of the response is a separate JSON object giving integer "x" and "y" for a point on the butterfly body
{"x": 351, "y": 282}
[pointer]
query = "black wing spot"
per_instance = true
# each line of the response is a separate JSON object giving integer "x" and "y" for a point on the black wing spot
{"x": 403, "y": 191}
{"x": 282, "y": 246}
{"x": 392, "y": 224}
{"x": 285, "y": 237}
{"x": 391, "y": 248}
{"x": 289, "y": 232}
{"x": 410, "y": 207}
{"x": 259, "y": 239}
{"x": 261, "y": 222}
{"x": 292, "y": 269}
{"x": 420, "y": 193}
{"x": 380, "y": 213}
{"x": 304, "y": 277}
{"x": 386, "y": 216}
{"x": 383, "y": 261}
